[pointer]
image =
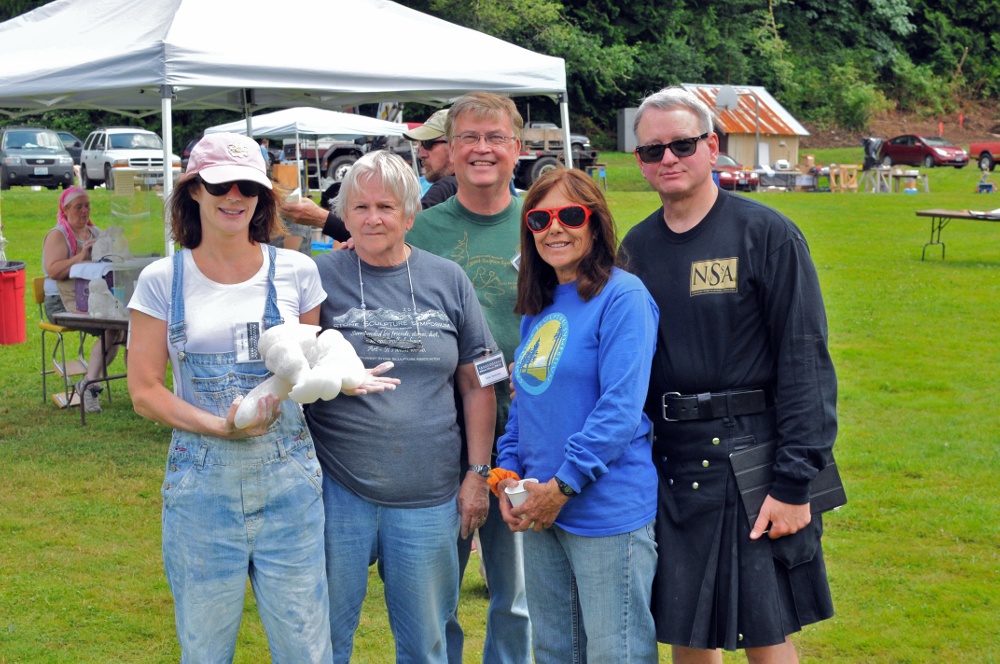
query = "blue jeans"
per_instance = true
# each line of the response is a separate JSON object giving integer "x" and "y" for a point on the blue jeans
{"x": 589, "y": 596}
{"x": 415, "y": 549}
{"x": 238, "y": 508}
{"x": 508, "y": 629}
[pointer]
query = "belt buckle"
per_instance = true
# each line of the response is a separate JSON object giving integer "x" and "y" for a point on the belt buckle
{"x": 664, "y": 404}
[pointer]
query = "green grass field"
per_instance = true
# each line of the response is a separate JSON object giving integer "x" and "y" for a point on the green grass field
{"x": 913, "y": 557}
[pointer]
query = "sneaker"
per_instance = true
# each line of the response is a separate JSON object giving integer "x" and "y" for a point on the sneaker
{"x": 91, "y": 400}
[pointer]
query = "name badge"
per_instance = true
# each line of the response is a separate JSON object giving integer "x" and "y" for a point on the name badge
{"x": 245, "y": 339}
{"x": 491, "y": 369}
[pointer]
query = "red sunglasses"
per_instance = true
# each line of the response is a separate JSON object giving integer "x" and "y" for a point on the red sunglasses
{"x": 570, "y": 216}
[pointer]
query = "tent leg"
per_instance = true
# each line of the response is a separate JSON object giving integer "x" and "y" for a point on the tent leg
{"x": 166, "y": 99}
{"x": 564, "y": 115}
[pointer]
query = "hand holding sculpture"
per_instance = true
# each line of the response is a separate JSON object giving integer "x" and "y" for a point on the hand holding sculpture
{"x": 308, "y": 367}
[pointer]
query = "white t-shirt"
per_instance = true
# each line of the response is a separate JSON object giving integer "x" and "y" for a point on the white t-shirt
{"x": 212, "y": 310}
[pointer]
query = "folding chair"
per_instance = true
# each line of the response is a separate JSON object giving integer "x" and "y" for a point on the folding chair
{"x": 77, "y": 367}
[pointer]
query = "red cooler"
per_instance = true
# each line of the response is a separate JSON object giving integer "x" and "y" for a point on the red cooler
{"x": 12, "y": 326}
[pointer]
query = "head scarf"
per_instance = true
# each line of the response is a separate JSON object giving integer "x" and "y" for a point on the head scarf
{"x": 63, "y": 221}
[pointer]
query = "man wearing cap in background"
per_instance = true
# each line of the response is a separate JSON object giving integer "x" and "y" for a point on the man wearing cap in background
{"x": 433, "y": 154}
{"x": 479, "y": 228}
{"x": 435, "y": 158}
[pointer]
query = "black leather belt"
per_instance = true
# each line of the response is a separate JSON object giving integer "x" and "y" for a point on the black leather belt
{"x": 712, "y": 405}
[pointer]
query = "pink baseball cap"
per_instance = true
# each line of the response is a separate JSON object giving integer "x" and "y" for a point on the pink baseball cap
{"x": 219, "y": 158}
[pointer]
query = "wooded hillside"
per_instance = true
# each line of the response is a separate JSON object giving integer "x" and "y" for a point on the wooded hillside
{"x": 832, "y": 63}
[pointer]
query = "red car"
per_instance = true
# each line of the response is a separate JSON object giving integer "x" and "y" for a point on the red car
{"x": 732, "y": 175}
{"x": 927, "y": 151}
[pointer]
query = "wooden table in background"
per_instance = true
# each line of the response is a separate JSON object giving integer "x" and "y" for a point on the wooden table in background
{"x": 79, "y": 321}
{"x": 899, "y": 181}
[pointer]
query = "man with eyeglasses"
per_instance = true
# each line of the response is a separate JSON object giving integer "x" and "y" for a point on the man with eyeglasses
{"x": 741, "y": 360}
{"x": 479, "y": 228}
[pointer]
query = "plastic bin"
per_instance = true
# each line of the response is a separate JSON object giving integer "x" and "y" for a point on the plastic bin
{"x": 12, "y": 324}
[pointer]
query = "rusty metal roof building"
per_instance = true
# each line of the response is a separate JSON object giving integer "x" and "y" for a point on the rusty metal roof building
{"x": 774, "y": 119}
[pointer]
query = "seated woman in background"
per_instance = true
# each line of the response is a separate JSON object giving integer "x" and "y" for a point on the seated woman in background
{"x": 69, "y": 243}
{"x": 392, "y": 483}
{"x": 581, "y": 373}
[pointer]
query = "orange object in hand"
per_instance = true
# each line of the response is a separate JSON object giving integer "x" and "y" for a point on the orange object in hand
{"x": 498, "y": 475}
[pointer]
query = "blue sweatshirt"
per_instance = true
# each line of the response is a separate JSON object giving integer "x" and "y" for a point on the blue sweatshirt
{"x": 581, "y": 373}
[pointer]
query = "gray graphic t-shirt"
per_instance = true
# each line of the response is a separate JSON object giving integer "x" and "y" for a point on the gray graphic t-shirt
{"x": 399, "y": 448}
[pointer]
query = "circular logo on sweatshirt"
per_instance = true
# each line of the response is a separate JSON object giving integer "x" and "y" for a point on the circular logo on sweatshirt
{"x": 539, "y": 357}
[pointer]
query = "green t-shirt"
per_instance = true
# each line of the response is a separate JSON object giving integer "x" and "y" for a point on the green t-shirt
{"x": 484, "y": 245}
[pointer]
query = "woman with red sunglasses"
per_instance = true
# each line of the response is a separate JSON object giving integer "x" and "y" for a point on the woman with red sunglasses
{"x": 577, "y": 426}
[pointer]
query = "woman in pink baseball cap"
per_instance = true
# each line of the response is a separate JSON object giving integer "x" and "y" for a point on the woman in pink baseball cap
{"x": 237, "y": 503}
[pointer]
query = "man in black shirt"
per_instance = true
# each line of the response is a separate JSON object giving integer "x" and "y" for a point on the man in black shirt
{"x": 435, "y": 157}
{"x": 433, "y": 154}
{"x": 741, "y": 360}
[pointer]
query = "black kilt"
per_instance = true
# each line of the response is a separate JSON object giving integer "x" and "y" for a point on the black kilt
{"x": 714, "y": 587}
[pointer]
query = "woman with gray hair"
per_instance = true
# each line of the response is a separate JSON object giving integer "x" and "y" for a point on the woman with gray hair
{"x": 391, "y": 473}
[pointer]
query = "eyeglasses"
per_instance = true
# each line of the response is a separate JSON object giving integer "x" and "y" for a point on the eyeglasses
{"x": 428, "y": 145}
{"x": 682, "y": 147}
{"x": 392, "y": 342}
{"x": 494, "y": 138}
{"x": 246, "y": 187}
{"x": 570, "y": 216}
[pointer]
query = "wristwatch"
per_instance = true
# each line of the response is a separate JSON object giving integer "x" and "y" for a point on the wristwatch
{"x": 566, "y": 489}
{"x": 483, "y": 470}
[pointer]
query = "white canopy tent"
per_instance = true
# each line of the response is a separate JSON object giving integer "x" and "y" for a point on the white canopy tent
{"x": 141, "y": 57}
{"x": 315, "y": 121}
{"x": 291, "y": 122}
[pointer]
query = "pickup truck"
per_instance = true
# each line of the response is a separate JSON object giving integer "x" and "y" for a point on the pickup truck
{"x": 336, "y": 156}
{"x": 541, "y": 151}
{"x": 576, "y": 141}
{"x": 986, "y": 154}
{"x": 131, "y": 148}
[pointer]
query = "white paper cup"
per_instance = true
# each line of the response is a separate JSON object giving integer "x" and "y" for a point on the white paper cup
{"x": 518, "y": 494}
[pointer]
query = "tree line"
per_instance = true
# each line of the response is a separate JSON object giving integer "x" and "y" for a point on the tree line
{"x": 834, "y": 63}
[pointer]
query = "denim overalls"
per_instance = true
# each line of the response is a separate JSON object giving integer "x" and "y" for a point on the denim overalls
{"x": 233, "y": 508}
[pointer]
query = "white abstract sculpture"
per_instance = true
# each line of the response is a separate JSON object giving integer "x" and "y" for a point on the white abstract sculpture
{"x": 112, "y": 245}
{"x": 306, "y": 367}
{"x": 101, "y": 303}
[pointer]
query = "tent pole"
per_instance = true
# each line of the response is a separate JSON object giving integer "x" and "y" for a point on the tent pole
{"x": 298, "y": 161}
{"x": 166, "y": 96}
{"x": 564, "y": 115}
{"x": 318, "y": 175}
{"x": 247, "y": 96}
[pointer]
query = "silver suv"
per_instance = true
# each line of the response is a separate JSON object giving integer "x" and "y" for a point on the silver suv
{"x": 33, "y": 156}
{"x": 132, "y": 148}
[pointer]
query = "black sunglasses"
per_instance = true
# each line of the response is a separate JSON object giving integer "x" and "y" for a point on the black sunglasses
{"x": 246, "y": 187}
{"x": 682, "y": 147}
{"x": 570, "y": 216}
{"x": 427, "y": 145}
